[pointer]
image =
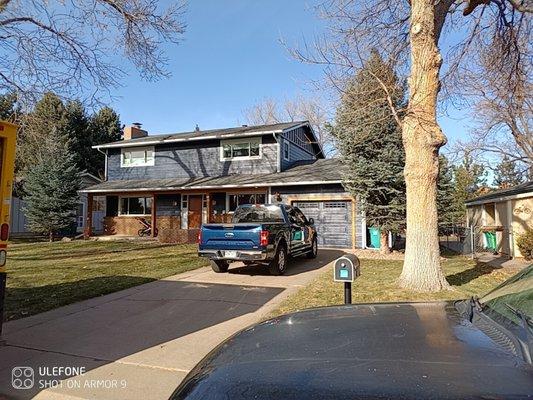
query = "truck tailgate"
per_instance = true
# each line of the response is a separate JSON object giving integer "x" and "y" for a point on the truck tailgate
{"x": 230, "y": 236}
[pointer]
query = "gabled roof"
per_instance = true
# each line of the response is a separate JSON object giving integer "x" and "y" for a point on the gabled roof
{"x": 319, "y": 172}
{"x": 241, "y": 131}
{"x": 502, "y": 194}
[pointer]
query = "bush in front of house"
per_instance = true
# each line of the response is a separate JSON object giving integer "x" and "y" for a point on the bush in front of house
{"x": 525, "y": 244}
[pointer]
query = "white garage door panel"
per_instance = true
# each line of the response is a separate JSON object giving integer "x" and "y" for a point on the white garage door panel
{"x": 333, "y": 221}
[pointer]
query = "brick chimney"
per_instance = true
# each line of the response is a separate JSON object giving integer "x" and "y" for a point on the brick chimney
{"x": 134, "y": 131}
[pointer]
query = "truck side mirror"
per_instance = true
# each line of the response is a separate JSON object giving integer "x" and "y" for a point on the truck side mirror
{"x": 311, "y": 221}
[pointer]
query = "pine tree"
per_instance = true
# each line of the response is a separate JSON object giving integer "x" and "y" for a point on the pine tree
{"x": 469, "y": 178}
{"x": 51, "y": 188}
{"x": 449, "y": 212}
{"x": 370, "y": 142}
{"x": 8, "y": 106}
{"x": 507, "y": 174}
{"x": 104, "y": 127}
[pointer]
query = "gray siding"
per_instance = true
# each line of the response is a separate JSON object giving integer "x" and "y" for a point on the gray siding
{"x": 300, "y": 147}
{"x": 193, "y": 160}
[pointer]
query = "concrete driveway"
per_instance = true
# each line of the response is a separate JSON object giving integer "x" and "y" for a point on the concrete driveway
{"x": 140, "y": 343}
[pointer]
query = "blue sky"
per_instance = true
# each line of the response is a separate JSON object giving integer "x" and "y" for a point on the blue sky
{"x": 230, "y": 58}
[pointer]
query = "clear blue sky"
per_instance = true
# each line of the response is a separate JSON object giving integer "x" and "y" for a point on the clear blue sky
{"x": 230, "y": 58}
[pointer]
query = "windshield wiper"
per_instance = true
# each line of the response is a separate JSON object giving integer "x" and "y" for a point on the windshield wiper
{"x": 525, "y": 323}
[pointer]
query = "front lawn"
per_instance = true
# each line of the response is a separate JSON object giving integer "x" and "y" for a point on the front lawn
{"x": 377, "y": 283}
{"x": 43, "y": 276}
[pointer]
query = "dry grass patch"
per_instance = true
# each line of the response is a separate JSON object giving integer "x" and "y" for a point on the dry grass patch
{"x": 377, "y": 283}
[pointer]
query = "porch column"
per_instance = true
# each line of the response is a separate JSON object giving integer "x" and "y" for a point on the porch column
{"x": 154, "y": 215}
{"x": 208, "y": 199}
{"x": 88, "y": 231}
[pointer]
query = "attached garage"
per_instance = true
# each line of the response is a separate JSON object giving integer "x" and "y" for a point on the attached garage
{"x": 333, "y": 221}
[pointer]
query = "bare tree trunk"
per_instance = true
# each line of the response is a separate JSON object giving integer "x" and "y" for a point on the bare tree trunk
{"x": 384, "y": 242}
{"x": 422, "y": 139}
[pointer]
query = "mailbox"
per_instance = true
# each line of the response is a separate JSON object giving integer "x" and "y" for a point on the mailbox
{"x": 346, "y": 268}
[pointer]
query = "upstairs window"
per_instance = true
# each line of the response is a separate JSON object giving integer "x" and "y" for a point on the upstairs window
{"x": 137, "y": 157}
{"x": 240, "y": 149}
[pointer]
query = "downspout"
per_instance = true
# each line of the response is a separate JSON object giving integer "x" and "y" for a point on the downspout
{"x": 105, "y": 164}
{"x": 278, "y": 158}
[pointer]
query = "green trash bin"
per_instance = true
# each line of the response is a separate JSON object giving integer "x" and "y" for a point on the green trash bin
{"x": 374, "y": 237}
{"x": 490, "y": 238}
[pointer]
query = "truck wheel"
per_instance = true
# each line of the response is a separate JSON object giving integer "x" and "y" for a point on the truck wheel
{"x": 314, "y": 250}
{"x": 278, "y": 265}
{"x": 219, "y": 266}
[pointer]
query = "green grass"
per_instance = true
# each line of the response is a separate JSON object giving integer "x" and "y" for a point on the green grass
{"x": 377, "y": 283}
{"x": 43, "y": 276}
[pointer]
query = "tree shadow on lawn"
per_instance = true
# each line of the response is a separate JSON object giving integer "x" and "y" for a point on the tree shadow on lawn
{"x": 480, "y": 269}
{"x": 98, "y": 252}
{"x": 26, "y": 301}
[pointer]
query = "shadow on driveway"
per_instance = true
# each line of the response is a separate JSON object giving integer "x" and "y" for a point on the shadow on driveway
{"x": 105, "y": 329}
{"x": 295, "y": 266}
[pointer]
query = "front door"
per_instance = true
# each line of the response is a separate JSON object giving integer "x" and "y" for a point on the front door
{"x": 195, "y": 212}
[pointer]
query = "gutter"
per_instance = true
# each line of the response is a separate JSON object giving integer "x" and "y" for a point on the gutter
{"x": 499, "y": 199}
{"x": 172, "y": 188}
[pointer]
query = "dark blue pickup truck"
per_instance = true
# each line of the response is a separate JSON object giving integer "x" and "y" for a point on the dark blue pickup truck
{"x": 265, "y": 234}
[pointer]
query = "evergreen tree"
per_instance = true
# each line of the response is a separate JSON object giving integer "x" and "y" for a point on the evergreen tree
{"x": 469, "y": 179}
{"x": 507, "y": 174}
{"x": 370, "y": 143}
{"x": 449, "y": 213}
{"x": 104, "y": 127}
{"x": 51, "y": 188}
{"x": 8, "y": 107}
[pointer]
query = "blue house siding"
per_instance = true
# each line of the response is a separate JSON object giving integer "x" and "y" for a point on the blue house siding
{"x": 300, "y": 147}
{"x": 193, "y": 160}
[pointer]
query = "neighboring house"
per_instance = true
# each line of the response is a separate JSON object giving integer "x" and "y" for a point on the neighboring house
{"x": 19, "y": 221}
{"x": 179, "y": 181}
{"x": 505, "y": 212}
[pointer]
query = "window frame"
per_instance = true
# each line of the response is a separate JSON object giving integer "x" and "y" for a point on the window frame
{"x": 120, "y": 214}
{"x": 146, "y": 163}
{"x": 228, "y": 199}
{"x": 231, "y": 142}
{"x": 287, "y": 148}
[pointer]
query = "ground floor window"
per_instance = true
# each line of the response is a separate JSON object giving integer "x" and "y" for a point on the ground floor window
{"x": 236, "y": 200}
{"x": 135, "y": 206}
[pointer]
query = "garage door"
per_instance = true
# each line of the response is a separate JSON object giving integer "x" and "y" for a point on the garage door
{"x": 333, "y": 221}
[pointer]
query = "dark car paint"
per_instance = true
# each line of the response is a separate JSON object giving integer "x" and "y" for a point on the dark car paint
{"x": 278, "y": 232}
{"x": 370, "y": 351}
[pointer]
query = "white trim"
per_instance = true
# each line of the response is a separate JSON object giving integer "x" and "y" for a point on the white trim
{"x": 499, "y": 199}
{"x": 189, "y": 139}
{"x": 256, "y": 185}
{"x": 228, "y": 202}
{"x": 224, "y": 142}
{"x": 140, "y": 148}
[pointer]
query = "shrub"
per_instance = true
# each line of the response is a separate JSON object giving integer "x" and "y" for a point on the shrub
{"x": 525, "y": 244}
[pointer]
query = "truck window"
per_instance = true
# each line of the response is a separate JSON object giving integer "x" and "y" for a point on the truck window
{"x": 257, "y": 213}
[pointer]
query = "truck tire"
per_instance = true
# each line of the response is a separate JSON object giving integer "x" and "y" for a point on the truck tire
{"x": 219, "y": 266}
{"x": 278, "y": 265}
{"x": 314, "y": 249}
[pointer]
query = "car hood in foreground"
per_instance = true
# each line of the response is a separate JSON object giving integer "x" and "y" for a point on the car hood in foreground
{"x": 374, "y": 351}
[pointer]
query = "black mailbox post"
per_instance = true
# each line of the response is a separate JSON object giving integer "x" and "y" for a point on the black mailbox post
{"x": 346, "y": 269}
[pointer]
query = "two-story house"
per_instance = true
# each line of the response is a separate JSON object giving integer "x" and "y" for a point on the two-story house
{"x": 179, "y": 181}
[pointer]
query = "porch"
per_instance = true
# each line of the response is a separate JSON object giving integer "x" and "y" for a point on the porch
{"x": 174, "y": 216}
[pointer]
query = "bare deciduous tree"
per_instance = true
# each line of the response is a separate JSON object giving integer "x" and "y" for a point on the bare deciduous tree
{"x": 76, "y": 46}
{"x": 407, "y": 33}
{"x": 269, "y": 111}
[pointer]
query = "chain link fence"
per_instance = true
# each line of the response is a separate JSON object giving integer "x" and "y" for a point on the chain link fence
{"x": 475, "y": 240}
